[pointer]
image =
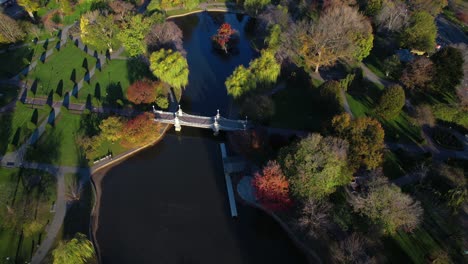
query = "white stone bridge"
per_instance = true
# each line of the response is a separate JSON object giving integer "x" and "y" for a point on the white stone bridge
{"x": 216, "y": 123}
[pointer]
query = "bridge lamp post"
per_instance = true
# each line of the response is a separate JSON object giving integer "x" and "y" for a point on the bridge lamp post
{"x": 179, "y": 112}
{"x": 218, "y": 115}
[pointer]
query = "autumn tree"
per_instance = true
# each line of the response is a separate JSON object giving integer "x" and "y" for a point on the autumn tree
{"x": 340, "y": 33}
{"x": 165, "y": 35}
{"x": 121, "y": 9}
{"x": 143, "y": 91}
{"x": 423, "y": 115}
{"x": 366, "y": 140}
{"x": 391, "y": 102}
{"x": 393, "y": 16}
{"x": 140, "y": 131}
{"x": 448, "y": 66}
{"x": 170, "y": 67}
{"x": 315, "y": 217}
{"x": 316, "y": 166}
{"x": 272, "y": 187}
{"x": 224, "y": 35}
{"x": 78, "y": 250}
{"x": 99, "y": 30}
{"x": 421, "y": 32}
{"x": 418, "y": 73}
{"x": 10, "y": 31}
{"x": 352, "y": 249}
{"x": 385, "y": 205}
{"x": 111, "y": 128}
{"x": 133, "y": 35}
{"x": 30, "y": 6}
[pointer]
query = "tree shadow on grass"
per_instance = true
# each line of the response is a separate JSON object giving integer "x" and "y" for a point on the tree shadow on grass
{"x": 5, "y": 132}
{"x": 47, "y": 148}
{"x": 73, "y": 76}
{"x": 97, "y": 91}
{"x": 59, "y": 89}
{"x": 114, "y": 95}
{"x": 89, "y": 124}
{"x": 137, "y": 69}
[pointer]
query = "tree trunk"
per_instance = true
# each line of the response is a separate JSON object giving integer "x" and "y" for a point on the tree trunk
{"x": 31, "y": 15}
{"x": 317, "y": 68}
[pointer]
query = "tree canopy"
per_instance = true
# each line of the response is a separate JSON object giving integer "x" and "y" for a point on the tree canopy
{"x": 98, "y": 30}
{"x": 387, "y": 206}
{"x": 133, "y": 35}
{"x": 340, "y": 33}
{"x": 10, "y": 31}
{"x": 316, "y": 166}
{"x": 421, "y": 32}
{"x": 366, "y": 140}
{"x": 391, "y": 102}
{"x": 418, "y": 74}
{"x": 170, "y": 67}
{"x": 272, "y": 187}
{"x": 111, "y": 128}
{"x": 79, "y": 250}
{"x": 30, "y": 6}
{"x": 143, "y": 91}
{"x": 448, "y": 64}
{"x": 140, "y": 131}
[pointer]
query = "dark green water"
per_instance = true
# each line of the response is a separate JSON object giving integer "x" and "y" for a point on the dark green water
{"x": 168, "y": 204}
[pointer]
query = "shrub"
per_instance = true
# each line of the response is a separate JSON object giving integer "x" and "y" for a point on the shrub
{"x": 391, "y": 102}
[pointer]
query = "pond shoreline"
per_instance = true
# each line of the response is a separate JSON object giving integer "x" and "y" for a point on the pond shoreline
{"x": 98, "y": 174}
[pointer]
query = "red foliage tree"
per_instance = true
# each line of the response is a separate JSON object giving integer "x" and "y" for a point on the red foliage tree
{"x": 142, "y": 92}
{"x": 140, "y": 131}
{"x": 222, "y": 37}
{"x": 272, "y": 187}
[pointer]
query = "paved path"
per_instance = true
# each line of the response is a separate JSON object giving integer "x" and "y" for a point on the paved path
{"x": 25, "y": 45}
{"x": 449, "y": 33}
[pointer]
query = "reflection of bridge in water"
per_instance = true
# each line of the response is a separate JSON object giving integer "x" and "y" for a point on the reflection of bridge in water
{"x": 216, "y": 123}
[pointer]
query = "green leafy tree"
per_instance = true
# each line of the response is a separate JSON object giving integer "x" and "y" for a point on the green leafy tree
{"x": 258, "y": 108}
{"x": 316, "y": 166}
{"x": 392, "y": 66}
{"x": 254, "y": 6}
{"x": 111, "y": 128}
{"x": 421, "y": 33}
{"x": 10, "y": 31}
{"x": 371, "y": 7}
{"x": 240, "y": 82}
{"x": 79, "y": 250}
{"x": 391, "y": 102}
{"x": 98, "y": 30}
{"x": 30, "y": 6}
{"x": 265, "y": 69}
{"x": 385, "y": 205}
{"x": 448, "y": 64}
{"x": 433, "y": 7}
{"x": 133, "y": 35}
{"x": 171, "y": 67}
{"x": 331, "y": 92}
{"x": 366, "y": 140}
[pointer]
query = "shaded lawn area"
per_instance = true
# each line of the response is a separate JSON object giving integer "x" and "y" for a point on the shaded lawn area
{"x": 13, "y": 61}
{"x": 62, "y": 70}
{"x": 399, "y": 163}
{"x": 7, "y": 94}
{"x": 375, "y": 65}
{"x": 109, "y": 84}
{"x": 438, "y": 231}
{"x": 299, "y": 106}
{"x": 37, "y": 202}
{"x": 16, "y": 127}
{"x": 57, "y": 145}
{"x": 400, "y": 129}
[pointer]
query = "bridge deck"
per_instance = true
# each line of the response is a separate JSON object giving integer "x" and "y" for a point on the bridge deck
{"x": 199, "y": 121}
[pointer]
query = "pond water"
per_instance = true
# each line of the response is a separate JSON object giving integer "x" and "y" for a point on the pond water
{"x": 168, "y": 204}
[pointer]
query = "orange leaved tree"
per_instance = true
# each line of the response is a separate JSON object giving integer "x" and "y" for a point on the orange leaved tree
{"x": 140, "y": 131}
{"x": 272, "y": 187}
{"x": 142, "y": 92}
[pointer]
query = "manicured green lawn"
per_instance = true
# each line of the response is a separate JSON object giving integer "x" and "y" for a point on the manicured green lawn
{"x": 7, "y": 94}
{"x": 61, "y": 70}
{"x": 16, "y": 127}
{"x": 108, "y": 85}
{"x": 375, "y": 65}
{"x": 401, "y": 129}
{"x": 36, "y": 202}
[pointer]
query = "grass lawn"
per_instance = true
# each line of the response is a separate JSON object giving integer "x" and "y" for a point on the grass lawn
{"x": 61, "y": 70}
{"x": 17, "y": 126}
{"x": 7, "y": 94}
{"x": 400, "y": 129}
{"x": 14, "y": 61}
{"x": 375, "y": 65}
{"x": 34, "y": 203}
{"x": 57, "y": 145}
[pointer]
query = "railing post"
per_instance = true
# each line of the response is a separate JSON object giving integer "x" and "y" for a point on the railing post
{"x": 179, "y": 112}
{"x": 218, "y": 115}
{"x": 216, "y": 127}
